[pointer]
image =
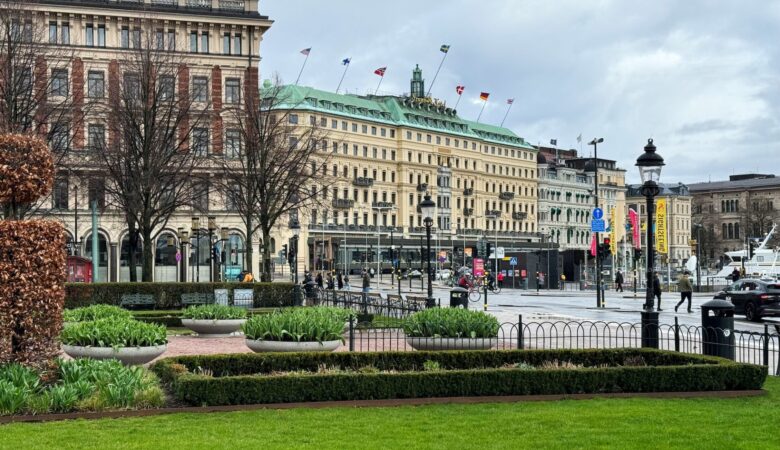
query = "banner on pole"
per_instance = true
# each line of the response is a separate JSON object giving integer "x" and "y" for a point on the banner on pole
{"x": 613, "y": 232}
{"x": 661, "y": 238}
{"x": 633, "y": 218}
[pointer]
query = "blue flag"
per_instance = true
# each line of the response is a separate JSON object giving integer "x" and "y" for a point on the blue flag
{"x": 346, "y": 61}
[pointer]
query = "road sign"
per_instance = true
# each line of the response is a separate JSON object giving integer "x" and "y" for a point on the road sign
{"x": 598, "y": 213}
{"x": 513, "y": 261}
{"x": 597, "y": 226}
{"x": 500, "y": 252}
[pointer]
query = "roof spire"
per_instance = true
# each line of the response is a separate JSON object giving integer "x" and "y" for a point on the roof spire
{"x": 418, "y": 84}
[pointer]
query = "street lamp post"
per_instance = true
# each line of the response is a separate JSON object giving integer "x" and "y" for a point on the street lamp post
{"x": 224, "y": 236}
{"x": 295, "y": 227}
{"x": 428, "y": 208}
{"x": 595, "y": 143}
{"x": 76, "y": 240}
{"x": 212, "y": 227}
{"x": 184, "y": 239}
{"x": 698, "y": 227}
{"x": 650, "y": 164}
{"x": 196, "y": 235}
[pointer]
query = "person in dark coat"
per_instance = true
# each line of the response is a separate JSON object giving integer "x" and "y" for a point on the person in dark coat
{"x": 331, "y": 283}
{"x": 657, "y": 289}
{"x": 735, "y": 275}
{"x": 319, "y": 280}
{"x": 340, "y": 281}
{"x": 619, "y": 281}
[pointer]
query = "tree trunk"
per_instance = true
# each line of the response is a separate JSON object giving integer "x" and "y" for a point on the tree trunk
{"x": 133, "y": 241}
{"x": 249, "y": 253}
{"x": 266, "y": 257}
{"x": 148, "y": 257}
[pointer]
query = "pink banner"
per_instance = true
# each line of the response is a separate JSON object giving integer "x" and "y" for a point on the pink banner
{"x": 633, "y": 217}
{"x": 479, "y": 267}
{"x": 593, "y": 244}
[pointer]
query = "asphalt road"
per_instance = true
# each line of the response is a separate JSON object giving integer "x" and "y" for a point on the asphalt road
{"x": 574, "y": 305}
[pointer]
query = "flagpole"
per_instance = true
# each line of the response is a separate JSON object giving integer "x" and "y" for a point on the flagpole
{"x": 507, "y": 113}
{"x": 380, "y": 83}
{"x": 456, "y": 103}
{"x": 480, "y": 111}
{"x": 342, "y": 77}
{"x": 302, "y": 67}
{"x": 437, "y": 73}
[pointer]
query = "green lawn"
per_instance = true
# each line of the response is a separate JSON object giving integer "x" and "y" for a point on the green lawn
{"x": 614, "y": 423}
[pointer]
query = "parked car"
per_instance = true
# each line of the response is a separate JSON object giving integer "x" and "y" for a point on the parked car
{"x": 753, "y": 298}
{"x": 443, "y": 274}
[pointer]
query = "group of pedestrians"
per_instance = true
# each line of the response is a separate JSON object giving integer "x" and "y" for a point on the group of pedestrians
{"x": 684, "y": 285}
{"x": 339, "y": 281}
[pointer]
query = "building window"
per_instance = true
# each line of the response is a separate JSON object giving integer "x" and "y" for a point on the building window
{"x": 194, "y": 41}
{"x": 293, "y": 119}
{"x": 237, "y": 44}
{"x": 136, "y": 38}
{"x": 200, "y": 141}
{"x": 101, "y": 36}
{"x": 124, "y": 37}
{"x": 96, "y": 137}
{"x": 52, "y": 32}
{"x": 226, "y": 44}
{"x": 166, "y": 88}
{"x": 59, "y": 82}
{"x": 65, "y": 34}
{"x": 232, "y": 144}
{"x": 97, "y": 192}
{"x": 232, "y": 91}
{"x": 171, "y": 40}
{"x": 204, "y": 43}
{"x": 200, "y": 89}
{"x": 159, "y": 39}
{"x": 96, "y": 84}
{"x": 89, "y": 35}
{"x": 60, "y": 193}
{"x": 60, "y": 138}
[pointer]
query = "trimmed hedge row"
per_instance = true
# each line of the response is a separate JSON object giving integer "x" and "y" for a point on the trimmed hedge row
{"x": 168, "y": 295}
{"x": 239, "y": 379}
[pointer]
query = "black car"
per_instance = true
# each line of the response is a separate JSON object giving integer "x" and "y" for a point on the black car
{"x": 753, "y": 298}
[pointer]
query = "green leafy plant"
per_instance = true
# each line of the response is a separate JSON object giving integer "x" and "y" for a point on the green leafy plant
{"x": 95, "y": 312}
{"x": 114, "y": 333}
{"x": 317, "y": 324}
{"x": 214, "y": 312}
{"x": 12, "y": 398}
{"x": 431, "y": 366}
{"x": 451, "y": 323}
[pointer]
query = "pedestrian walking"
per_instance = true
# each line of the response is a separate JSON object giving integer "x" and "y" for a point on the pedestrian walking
{"x": 346, "y": 282}
{"x": 331, "y": 282}
{"x": 619, "y": 281}
{"x": 500, "y": 279}
{"x": 318, "y": 279}
{"x": 366, "y": 281}
{"x": 340, "y": 281}
{"x": 686, "y": 289}
{"x": 657, "y": 289}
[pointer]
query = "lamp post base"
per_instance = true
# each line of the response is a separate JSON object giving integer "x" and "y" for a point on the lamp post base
{"x": 649, "y": 329}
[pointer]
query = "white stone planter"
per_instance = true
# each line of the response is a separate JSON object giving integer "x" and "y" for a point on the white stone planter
{"x": 285, "y": 346}
{"x": 213, "y": 328}
{"x": 427, "y": 343}
{"x": 127, "y": 355}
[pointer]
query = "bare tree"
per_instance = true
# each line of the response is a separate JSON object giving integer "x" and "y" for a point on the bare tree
{"x": 275, "y": 168}
{"x": 152, "y": 152}
{"x": 758, "y": 217}
{"x": 35, "y": 93}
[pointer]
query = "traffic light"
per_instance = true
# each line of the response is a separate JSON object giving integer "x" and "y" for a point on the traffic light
{"x": 284, "y": 252}
{"x": 637, "y": 254}
{"x": 751, "y": 248}
{"x": 488, "y": 248}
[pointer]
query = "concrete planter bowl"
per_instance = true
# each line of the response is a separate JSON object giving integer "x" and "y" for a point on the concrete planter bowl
{"x": 128, "y": 356}
{"x": 287, "y": 346}
{"x": 207, "y": 328}
{"x": 430, "y": 343}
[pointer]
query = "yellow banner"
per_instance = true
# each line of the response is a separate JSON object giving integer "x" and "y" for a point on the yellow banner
{"x": 613, "y": 231}
{"x": 661, "y": 241}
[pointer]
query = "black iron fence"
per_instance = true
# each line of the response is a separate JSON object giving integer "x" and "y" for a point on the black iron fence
{"x": 365, "y": 304}
{"x": 761, "y": 348}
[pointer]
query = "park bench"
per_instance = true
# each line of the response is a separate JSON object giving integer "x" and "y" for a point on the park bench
{"x": 191, "y": 299}
{"x": 137, "y": 300}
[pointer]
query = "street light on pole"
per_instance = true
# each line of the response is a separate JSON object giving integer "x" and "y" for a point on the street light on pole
{"x": 595, "y": 143}
{"x": 493, "y": 216}
{"x": 295, "y": 228}
{"x": 428, "y": 208}
{"x": 196, "y": 233}
{"x": 650, "y": 164}
{"x": 224, "y": 236}
{"x": 184, "y": 239}
{"x": 698, "y": 227}
{"x": 212, "y": 224}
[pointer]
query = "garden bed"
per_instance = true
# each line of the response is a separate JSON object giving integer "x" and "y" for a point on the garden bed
{"x": 244, "y": 379}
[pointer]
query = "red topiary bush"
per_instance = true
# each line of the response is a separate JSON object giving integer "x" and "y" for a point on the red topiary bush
{"x": 32, "y": 256}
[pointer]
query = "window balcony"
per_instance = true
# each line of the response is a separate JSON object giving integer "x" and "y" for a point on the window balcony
{"x": 468, "y": 191}
{"x": 343, "y": 203}
{"x": 422, "y": 187}
{"x": 363, "y": 182}
{"x": 506, "y": 195}
{"x": 383, "y": 205}
{"x": 519, "y": 215}
{"x": 468, "y": 212}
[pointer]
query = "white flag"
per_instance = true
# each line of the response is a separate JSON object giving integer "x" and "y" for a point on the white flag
{"x": 579, "y": 138}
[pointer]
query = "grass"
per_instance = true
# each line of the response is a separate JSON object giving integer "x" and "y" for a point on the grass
{"x": 603, "y": 423}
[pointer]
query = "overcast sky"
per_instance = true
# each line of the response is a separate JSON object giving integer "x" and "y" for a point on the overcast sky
{"x": 700, "y": 77}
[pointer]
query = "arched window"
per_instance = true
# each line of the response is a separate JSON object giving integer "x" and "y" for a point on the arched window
{"x": 124, "y": 258}
{"x": 165, "y": 265}
{"x": 731, "y": 231}
{"x": 724, "y": 235}
{"x": 200, "y": 251}
{"x": 736, "y": 230}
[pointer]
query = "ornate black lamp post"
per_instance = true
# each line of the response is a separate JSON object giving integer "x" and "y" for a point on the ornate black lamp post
{"x": 650, "y": 164}
{"x": 295, "y": 228}
{"x": 196, "y": 234}
{"x": 212, "y": 228}
{"x": 428, "y": 209}
{"x": 184, "y": 239}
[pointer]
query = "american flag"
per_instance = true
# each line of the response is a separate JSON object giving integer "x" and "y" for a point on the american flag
{"x": 306, "y": 51}
{"x": 460, "y": 89}
{"x": 380, "y": 71}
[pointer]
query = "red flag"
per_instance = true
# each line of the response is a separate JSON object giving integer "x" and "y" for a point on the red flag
{"x": 509, "y": 101}
{"x": 593, "y": 244}
{"x": 380, "y": 71}
{"x": 460, "y": 89}
{"x": 484, "y": 96}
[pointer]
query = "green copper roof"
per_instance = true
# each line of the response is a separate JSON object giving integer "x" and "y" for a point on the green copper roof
{"x": 396, "y": 111}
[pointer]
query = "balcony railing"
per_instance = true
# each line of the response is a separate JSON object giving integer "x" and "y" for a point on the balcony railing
{"x": 422, "y": 187}
{"x": 343, "y": 203}
{"x": 493, "y": 213}
{"x": 506, "y": 195}
{"x": 519, "y": 215}
{"x": 205, "y": 4}
{"x": 468, "y": 212}
{"x": 383, "y": 205}
{"x": 232, "y": 5}
{"x": 468, "y": 191}
{"x": 363, "y": 182}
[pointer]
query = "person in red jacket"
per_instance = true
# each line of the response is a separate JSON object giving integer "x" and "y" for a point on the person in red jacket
{"x": 500, "y": 279}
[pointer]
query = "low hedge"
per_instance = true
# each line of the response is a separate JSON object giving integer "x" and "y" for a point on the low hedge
{"x": 243, "y": 378}
{"x": 168, "y": 295}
